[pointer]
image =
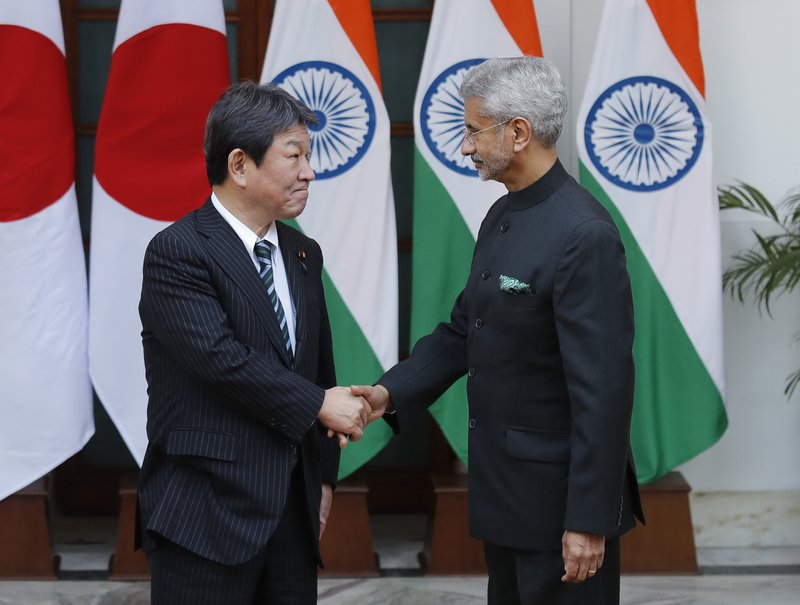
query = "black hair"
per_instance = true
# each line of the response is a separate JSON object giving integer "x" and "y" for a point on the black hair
{"x": 247, "y": 116}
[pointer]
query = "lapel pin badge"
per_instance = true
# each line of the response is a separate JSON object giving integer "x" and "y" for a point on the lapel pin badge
{"x": 301, "y": 254}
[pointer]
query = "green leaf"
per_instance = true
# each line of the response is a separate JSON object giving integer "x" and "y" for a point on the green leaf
{"x": 792, "y": 205}
{"x": 791, "y": 384}
{"x": 761, "y": 201}
{"x": 746, "y": 197}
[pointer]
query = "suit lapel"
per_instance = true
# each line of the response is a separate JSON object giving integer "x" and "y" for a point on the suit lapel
{"x": 296, "y": 274}
{"x": 227, "y": 250}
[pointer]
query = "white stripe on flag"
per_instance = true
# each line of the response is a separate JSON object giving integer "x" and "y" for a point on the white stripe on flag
{"x": 47, "y": 397}
{"x": 116, "y": 364}
{"x": 351, "y": 215}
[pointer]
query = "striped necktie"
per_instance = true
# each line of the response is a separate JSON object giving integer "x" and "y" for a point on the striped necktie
{"x": 263, "y": 251}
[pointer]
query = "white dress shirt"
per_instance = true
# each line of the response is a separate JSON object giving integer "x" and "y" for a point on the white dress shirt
{"x": 250, "y": 239}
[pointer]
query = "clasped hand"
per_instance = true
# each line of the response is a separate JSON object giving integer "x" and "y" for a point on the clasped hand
{"x": 346, "y": 412}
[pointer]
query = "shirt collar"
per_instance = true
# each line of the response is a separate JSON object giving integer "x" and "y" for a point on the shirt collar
{"x": 540, "y": 190}
{"x": 248, "y": 236}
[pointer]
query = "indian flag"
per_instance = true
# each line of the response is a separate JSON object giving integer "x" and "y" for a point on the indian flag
{"x": 351, "y": 211}
{"x": 46, "y": 400}
{"x": 645, "y": 152}
{"x": 169, "y": 66}
{"x": 450, "y": 201}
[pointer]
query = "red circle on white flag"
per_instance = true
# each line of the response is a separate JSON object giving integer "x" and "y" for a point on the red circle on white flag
{"x": 37, "y": 150}
{"x": 149, "y": 148}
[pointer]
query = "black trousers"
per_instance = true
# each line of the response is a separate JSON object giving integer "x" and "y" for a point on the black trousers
{"x": 284, "y": 572}
{"x": 521, "y": 577}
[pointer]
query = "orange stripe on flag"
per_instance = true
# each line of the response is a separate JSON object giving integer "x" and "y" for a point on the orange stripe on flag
{"x": 520, "y": 20}
{"x": 677, "y": 20}
{"x": 355, "y": 17}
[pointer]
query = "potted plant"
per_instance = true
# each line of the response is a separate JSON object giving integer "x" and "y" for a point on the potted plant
{"x": 771, "y": 266}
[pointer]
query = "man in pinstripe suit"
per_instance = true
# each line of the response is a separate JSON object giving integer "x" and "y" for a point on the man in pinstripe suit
{"x": 237, "y": 480}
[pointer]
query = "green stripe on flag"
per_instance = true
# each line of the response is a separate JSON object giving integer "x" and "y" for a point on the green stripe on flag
{"x": 443, "y": 248}
{"x": 678, "y": 410}
{"x": 356, "y": 363}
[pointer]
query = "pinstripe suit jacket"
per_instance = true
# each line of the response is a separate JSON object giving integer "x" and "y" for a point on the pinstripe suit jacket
{"x": 229, "y": 414}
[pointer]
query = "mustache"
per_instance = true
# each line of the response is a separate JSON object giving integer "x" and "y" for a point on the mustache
{"x": 476, "y": 157}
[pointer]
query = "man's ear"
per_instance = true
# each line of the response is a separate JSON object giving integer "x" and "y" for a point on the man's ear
{"x": 523, "y": 133}
{"x": 237, "y": 162}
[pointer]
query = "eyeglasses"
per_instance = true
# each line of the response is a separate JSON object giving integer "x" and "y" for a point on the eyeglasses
{"x": 469, "y": 136}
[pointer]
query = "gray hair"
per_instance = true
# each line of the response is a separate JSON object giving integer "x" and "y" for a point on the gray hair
{"x": 527, "y": 87}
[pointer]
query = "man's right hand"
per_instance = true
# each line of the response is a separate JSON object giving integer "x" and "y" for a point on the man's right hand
{"x": 344, "y": 412}
{"x": 377, "y": 397}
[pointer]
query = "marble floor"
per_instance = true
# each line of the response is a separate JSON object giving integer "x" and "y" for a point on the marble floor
{"x": 747, "y": 576}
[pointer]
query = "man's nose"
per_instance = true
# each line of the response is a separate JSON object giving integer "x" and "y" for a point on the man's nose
{"x": 307, "y": 173}
{"x": 467, "y": 147}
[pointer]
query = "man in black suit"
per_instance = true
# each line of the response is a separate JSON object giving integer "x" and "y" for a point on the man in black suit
{"x": 544, "y": 332}
{"x": 237, "y": 480}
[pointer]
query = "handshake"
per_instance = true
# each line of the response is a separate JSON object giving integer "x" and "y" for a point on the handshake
{"x": 346, "y": 412}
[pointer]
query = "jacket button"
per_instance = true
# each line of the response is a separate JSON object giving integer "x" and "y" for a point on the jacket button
{"x": 504, "y": 227}
{"x": 471, "y": 372}
{"x": 473, "y": 423}
{"x": 485, "y": 275}
{"x": 479, "y": 323}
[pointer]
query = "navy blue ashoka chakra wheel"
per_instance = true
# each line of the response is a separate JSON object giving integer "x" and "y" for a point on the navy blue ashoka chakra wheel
{"x": 344, "y": 109}
{"x": 643, "y": 133}
{"x": 442, "y": 118}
